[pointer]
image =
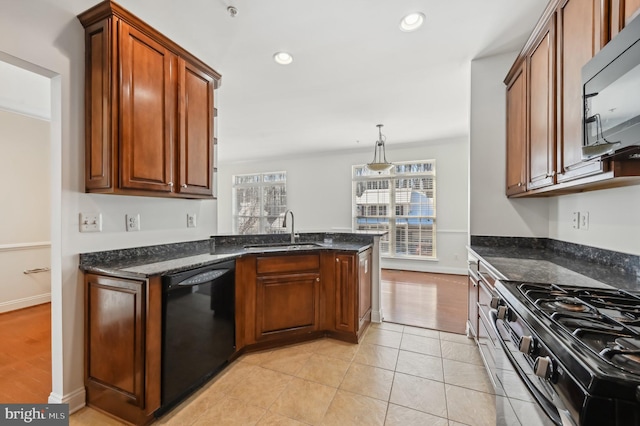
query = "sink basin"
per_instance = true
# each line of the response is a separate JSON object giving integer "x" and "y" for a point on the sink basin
{"x": 281, "y": 246}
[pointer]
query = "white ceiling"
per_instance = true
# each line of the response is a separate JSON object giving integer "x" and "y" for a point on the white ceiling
{"x": 353, "y": 68}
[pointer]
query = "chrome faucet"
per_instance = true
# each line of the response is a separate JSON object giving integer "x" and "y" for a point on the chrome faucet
{"x": 284, "y": 225}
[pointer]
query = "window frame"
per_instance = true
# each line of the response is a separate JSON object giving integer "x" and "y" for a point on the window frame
{"x": 260, "y": 182}
{"x": 401, "y": 171}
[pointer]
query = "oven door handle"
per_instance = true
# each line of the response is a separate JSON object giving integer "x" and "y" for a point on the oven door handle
{"x": 548, "y": 407}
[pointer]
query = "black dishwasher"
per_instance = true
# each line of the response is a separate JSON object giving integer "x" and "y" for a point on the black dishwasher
{"x": 198, "y": 328}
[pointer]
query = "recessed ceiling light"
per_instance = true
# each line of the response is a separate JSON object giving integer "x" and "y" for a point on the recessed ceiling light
{"x": 283, "y": 58}
{"x": 412, "y": 22}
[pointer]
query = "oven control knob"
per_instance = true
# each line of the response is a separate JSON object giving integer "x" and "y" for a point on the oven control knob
{"x": 543, "y": 367}
{"x": 502, "y": 312}
{"x": 526, "y": 344}
{"x": 495, "y": 302}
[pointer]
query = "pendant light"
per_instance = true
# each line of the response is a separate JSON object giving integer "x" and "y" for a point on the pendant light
{"x": 379, "y": 163}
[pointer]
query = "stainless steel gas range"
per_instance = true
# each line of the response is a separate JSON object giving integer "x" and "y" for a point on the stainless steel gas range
{"x": 562, "y": 355}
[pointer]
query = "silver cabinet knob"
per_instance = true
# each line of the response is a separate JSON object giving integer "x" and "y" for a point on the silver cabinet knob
{"x": 495, "y": 302}
{"x": 170, "y": 184}
{"x": 318, "y": 279}
{"x": 502, "y": 312}
{"x": 526, "y": 344}
{"x": 543, "y": 367}
{"x": 184, "y": 185}
{"x": 519, "y": 183}
{"x": 337, "y": 260}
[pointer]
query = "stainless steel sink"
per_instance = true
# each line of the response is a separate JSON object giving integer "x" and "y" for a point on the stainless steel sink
{"x": 281, "y": 247}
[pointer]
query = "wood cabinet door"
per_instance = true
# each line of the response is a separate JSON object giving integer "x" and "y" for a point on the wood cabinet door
{"x": 517, "y": 132}
{"x": 580, "y": 35}
{"x": 541, "y": 109}
{"x": 148, "y": 111}
{"x": 622, "y": 12}
{"x": 364, "y": 288}
{"x": 195, "y": 158}
{"x": 345, "y": 293}
{"x": 99, "y": 124}
{"x": 114, "y": 332}
{"x": 287, "y": 304}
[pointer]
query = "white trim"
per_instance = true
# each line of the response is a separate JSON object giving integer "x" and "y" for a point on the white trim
{"x": 20, "y": 110}
{"x": 422, "y": 267}
{"x": 25, "y": 302}
{"x": 75, "y": 399}
{"x": 452, "y": 231}
{"x": 376, "y": 316}
{"x": 25, "y": 246}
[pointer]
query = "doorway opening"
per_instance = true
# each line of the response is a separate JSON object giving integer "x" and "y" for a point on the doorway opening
{"x": 30, "y": 295}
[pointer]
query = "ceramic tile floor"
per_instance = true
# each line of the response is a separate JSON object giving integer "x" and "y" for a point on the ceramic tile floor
{"x": 398, "y": 375}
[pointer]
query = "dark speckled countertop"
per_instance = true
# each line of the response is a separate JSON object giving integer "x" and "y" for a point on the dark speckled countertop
{"x": 143, "y": 262}
{"x": 555, "y": 262}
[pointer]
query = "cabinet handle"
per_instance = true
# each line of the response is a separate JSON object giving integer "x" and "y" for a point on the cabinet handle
{"x": 170, "y": 184}
{"x": 184, "y": 185}
{"x": 519, "y": 183}
{"x": 337, "y": 260}
{"x": 318, "y": 279}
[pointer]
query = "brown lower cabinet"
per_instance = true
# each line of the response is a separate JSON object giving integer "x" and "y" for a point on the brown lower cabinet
{"x": 122, "y": 346}
{"x": 289, "y": 298}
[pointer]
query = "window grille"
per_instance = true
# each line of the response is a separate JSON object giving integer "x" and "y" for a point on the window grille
{"x": 259, "y": 203}
{"x": 401, "y": 201}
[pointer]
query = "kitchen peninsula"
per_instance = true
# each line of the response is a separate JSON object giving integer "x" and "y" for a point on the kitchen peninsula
{"x": 326, "y": 284}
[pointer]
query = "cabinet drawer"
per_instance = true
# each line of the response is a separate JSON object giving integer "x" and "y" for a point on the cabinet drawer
{"x": 288, "y": 263}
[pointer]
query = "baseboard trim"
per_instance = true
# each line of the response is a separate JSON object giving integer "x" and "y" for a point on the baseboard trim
{"x": 376, "y": 316}
{"x": 424, "y": 267}
{"x": 25, "y": 302}
{"x": 76, "y": 399}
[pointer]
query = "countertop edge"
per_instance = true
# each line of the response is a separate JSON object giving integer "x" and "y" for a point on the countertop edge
{"x": 227, "y": 254}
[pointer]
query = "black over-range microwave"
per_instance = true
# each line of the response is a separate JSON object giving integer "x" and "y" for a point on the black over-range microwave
{"x": 611, "y": 98}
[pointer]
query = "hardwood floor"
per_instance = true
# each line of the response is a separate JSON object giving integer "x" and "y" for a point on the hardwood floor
{"x": 421, "y": 299}
{"x": 25, "y": 355}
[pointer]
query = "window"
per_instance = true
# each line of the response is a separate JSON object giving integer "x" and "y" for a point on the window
{"x": 400, "y": 201}
{"x": 259, "y": 203}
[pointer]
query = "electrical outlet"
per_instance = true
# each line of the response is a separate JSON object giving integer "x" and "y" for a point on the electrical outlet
{"x": 191, "y": 220}
{"x": 133, "y": 222}
{"x": 576, "y": 220}
{"x": 584, "y": 221}
{"x": 90, "y": 222}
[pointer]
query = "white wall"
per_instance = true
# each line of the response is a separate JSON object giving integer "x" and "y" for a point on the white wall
{"x": 24, "y": 220}
{"x": 39, "y": 35}
{"x": 25, "y": 170}
{"x": 319, "y": 193}
{"x": 492, "y": 213}
{"x": 614, "y": 219}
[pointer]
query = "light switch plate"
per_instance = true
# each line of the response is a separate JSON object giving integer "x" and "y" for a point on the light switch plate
{"x": 90, "y": 222}
{"x": 576, "y": 220}
{"x": 191, "y": 220}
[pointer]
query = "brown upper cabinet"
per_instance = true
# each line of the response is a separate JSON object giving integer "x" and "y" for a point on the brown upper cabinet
{"x": 517, "y": 131}
{"x": 149, "y": 119}
{"x": 622, "y": 11}
{"x": 541, "y": 96}
{"x": 581, "y": 33}
{"x": 544, "y": 101}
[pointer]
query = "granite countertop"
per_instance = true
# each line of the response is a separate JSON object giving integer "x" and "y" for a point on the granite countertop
{"x": 553, "y": 263}
{"x": 144, "y": 262}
